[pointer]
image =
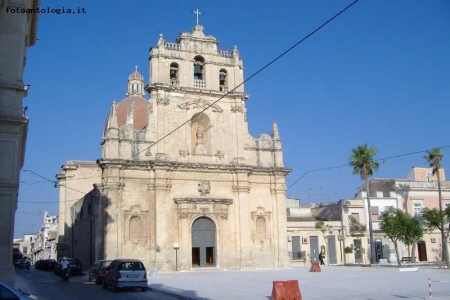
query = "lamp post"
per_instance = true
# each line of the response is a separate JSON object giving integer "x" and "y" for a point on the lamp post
{"x": 176, "y": 246}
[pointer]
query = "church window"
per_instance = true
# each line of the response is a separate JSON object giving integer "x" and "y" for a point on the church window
{"x": 135, "y": 228}
{"x": 223, "y": 85}
{"x": 260, "y": 227}
{"x": 173, "y": 74}
{"x": 199, "y": 64}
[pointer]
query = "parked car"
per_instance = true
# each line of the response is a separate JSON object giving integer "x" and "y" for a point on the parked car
{"x": 8, "y": 292}
{"x": 24, "y": 264}
{"x": 125, "y": 273}
{"x": 97, "y": 270}
{"x": 45, "y": 264}
{"x": 74, "y": 265}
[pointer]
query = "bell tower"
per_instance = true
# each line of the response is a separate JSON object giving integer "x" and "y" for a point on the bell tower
{"x": 191, "y": 79}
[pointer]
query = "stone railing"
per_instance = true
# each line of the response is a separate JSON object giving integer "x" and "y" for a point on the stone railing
{"x": 172, "y": 46}
{"x": 174, "y": 82}
{"x": 199, "y": 84}
{"x": 420, "y": 184}
{"x": 225, "y": 53}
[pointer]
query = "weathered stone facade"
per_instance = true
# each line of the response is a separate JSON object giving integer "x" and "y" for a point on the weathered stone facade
{"x": 182, "y": 184}
{"x": 17, "y": 33}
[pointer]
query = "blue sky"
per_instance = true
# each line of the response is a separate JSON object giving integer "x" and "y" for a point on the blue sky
{"x": 378, "y": 74}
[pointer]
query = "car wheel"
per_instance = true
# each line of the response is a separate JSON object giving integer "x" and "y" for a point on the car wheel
{"x": 144, "y": 289}
{"x": 114, "y": 287}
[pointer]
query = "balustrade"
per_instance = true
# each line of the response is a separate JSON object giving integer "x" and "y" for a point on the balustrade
{"x": 199, "y": 84}
{"x": 172, "y": 46}
{"x": 421, "y": 184}
{"x": 225, "y": 53}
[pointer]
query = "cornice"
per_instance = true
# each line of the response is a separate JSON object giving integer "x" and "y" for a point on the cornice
{"x": 186, "y": 166}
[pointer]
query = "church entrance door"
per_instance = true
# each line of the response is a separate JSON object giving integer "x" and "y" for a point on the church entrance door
{"x": 203, "y": 243}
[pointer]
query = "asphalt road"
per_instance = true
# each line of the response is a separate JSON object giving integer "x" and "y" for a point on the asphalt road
{"x": 44, "y": 285}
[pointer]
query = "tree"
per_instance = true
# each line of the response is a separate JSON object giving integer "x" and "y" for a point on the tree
{"x": 413, "y": 232}
{"x": 434, "y": 158}
{"x": 364, "y": 165}
{"x": 434, "y": 218}
{"x": 397, "y": 225}
{"x": 357, "y": 229}
{"x": 324, "y": 228}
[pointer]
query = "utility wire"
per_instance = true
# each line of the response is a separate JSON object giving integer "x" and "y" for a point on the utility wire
{"x": 53, "y": 181}
{"x": 249, "y": 78}
{"x": 348, "y": 164}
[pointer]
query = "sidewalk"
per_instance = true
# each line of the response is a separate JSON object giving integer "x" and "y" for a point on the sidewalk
{"x": 333, "y": 282}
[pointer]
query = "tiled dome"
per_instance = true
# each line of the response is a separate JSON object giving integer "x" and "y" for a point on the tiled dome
{"x": 140, "y": 111}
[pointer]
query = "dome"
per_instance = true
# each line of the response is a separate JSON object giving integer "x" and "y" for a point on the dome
{"x": 134, "y": 106}
{"x": 136, "y": 75}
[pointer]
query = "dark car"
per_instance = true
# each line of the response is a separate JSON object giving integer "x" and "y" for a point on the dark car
{"x": 97, "y": 270}
{"x": 45, "y": 264}
{"x": 24, "y": 264}
{"x": 74, "y": 265}
{"x": 125, "y": 273}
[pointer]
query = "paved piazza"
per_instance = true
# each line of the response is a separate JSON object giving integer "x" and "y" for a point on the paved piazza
{"x": 334, "y": 282}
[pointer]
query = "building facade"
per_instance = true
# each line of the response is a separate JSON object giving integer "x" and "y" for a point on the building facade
{"x": 17, "y": 33}
{"x": 306, "y": 241}
{"x": 181, "y": 183}
{"x": 417, "y": 191}
{"x": 44, "y": 242}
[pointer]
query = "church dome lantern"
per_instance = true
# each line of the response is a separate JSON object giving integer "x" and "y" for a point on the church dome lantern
{"x": 136, "y": 84}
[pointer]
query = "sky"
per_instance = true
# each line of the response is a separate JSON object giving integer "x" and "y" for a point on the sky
{"x": 377, "y": 74}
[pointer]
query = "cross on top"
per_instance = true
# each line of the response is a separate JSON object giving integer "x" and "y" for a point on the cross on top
{"x": 197, "y": 12}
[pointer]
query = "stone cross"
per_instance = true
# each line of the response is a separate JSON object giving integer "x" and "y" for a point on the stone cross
{"x": 197, "y": 13}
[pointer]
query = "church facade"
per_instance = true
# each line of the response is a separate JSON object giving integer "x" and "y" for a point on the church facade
{"x": 181, "y": 183}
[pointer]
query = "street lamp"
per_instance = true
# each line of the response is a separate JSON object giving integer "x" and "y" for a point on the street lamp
{"x": 176, "y": 246}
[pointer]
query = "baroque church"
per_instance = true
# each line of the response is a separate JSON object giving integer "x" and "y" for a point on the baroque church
{"x": 181, "y": 184}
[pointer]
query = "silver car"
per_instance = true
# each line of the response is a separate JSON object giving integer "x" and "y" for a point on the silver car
{"x": 125, "y": 273}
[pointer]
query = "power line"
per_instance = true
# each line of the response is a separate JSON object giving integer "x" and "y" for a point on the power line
{"x": 53, "y": 181}
{"x": 380, "y": 159}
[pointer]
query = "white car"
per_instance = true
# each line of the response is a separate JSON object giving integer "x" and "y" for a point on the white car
{"x": 8, "y": 292}
{"x": 125, "y": 273}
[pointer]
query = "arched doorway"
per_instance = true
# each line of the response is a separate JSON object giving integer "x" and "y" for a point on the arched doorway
{"x": 203, "y": 243}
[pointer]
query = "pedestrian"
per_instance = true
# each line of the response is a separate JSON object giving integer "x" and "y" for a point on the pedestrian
{"x": 321, "y": 258}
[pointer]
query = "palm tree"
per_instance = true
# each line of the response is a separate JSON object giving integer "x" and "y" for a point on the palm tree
{"x": 364, "y": 165}
{"x": 434, "y": 158}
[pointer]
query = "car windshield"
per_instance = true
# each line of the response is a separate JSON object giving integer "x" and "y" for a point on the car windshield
{"x": 105, "y": 264}
{"x": 132, "y": 266}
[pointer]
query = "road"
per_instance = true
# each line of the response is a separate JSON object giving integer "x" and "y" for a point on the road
{"x": 44, "y": 285}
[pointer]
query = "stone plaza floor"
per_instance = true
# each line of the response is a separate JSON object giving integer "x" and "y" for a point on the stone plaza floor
{"x": 333, "y": 282}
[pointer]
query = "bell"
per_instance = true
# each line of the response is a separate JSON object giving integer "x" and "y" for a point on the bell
{"x": 222, "y": 76}
{"x": 173, "y": 73}
{"x": 198, "y": 70}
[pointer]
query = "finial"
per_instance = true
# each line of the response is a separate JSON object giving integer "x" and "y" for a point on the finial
{"x": 197, "y": 12}
{"x": 136, "y": 68}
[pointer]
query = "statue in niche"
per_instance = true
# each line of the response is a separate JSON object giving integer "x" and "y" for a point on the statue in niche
{"x": 200, "y": 145}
